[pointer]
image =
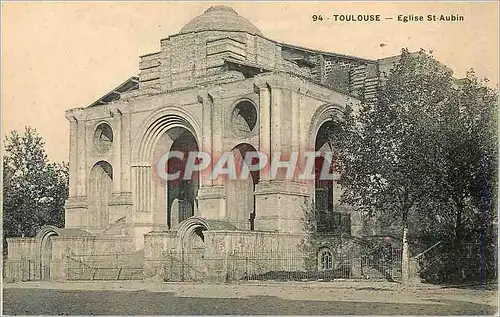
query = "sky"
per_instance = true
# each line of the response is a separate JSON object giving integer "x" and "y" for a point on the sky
{"x": 62, "y": 55}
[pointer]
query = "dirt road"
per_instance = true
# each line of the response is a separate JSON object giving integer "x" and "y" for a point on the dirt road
{"x": 311, "y": 298}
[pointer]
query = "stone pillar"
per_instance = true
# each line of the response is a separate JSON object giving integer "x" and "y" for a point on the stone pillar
{"x": 73, "y": 158}
{"x": 218, "y": 121}
{"x": 211, "y": 194}
{"x": 206, "y": 139}
{"x": 76, "y": 205}
{"x": 120, "y": 204}
{"x": 142, "y": 217}
{"x": 80, "y": 116}
{"x": 212, "y": 202}
{"x": 141, "y": 175}
{"x": 125, "y": 154}
{"x": 264, "y": 124}
{"x": 117, "y": 148}
{"x": 295, "y": 122}
{"x": 279, "y": 205}
{"x": 276, "y": 108}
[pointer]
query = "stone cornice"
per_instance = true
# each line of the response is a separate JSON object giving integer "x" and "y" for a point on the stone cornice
{"x": 290, "y": 81}
{"x": 76, "y": 114}
{"x": 115, "y": 110}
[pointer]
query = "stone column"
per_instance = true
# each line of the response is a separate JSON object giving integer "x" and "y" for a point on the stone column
{"x": 276, "y": 108}
{"x": 211, "y": 194}
{"x": 117, "y": 149}
{"x": 280, "y": 201}
{"x": 142, "y": 187}
{"x": 76, "y": 212}
{"x": 279, "y": 206}
{"x": 73, "y": 151}
{"x": 141, "y": 215}
{"x": 295, "y": 122}
{"x": 206, "y": 139}
{"x": 80, "y": 116}
{"x": 218, "y": 121}
{"x": 120, "y": 204}
{"x": 126, "y": 151}
{"x": 264, "y": 125}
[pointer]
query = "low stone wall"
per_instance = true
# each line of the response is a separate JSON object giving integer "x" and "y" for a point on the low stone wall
{"x": 220, "y": 242}
{"x": 21, "y": 248}
{"x": 156, "y": 246}
{"x": 224, "y": 251}
{"x": 24, "y": 259}
{"x": 250, "y": 252}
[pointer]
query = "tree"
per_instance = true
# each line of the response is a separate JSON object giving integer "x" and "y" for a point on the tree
{"x": 470, "y": 127}
{"x": 34, "y": 190}
{"x": 398, "y": 156}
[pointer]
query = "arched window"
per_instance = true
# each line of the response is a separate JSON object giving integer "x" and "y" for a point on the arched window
{"x": 103, "y": 137}
{"x": 244, "y": 118}
{"x": 325, "y": 259}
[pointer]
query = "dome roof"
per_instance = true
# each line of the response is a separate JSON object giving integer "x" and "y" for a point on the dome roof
{"x": 220, "y": 18}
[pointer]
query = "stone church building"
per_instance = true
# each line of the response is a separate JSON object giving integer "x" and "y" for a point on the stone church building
{"x": 218, "y": 86}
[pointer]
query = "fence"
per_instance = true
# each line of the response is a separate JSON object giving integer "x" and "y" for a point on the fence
{"x": 24, "y": 270}
{"x": 104, "y": 267}
{"x": 450, "y": 263}
{"x": 382, "y": 262}
{"x": 281, "y": 265}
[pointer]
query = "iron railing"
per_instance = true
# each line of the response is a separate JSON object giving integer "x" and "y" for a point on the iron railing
{"x": 23, "y": 269}
{"x": 280, "y": 265}
{"x": 104, "y": 267}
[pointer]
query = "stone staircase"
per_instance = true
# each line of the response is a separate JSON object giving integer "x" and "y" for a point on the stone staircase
{"x": 426, "y": 260}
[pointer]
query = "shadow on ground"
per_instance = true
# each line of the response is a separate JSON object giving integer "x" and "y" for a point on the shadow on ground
{"x": 56, "y": 302}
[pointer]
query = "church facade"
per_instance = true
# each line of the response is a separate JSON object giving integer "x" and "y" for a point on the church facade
{"x": 219, "y": 86}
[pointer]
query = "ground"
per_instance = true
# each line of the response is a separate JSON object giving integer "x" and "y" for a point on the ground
{"x": 289, "y": 298}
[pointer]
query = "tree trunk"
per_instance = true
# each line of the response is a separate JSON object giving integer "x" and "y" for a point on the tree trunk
{"x": 405, "y": 258}
{"x": 458, "y": 224}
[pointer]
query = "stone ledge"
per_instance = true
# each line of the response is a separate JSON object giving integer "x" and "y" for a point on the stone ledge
{"x": 76, "y": 202}
{"x": 282, "y": 187}
{"x": 255, "y": 232}
{"x": 211, "y": 192}
{"x": 123, "y": 198}
{"x": 161, "y": 233}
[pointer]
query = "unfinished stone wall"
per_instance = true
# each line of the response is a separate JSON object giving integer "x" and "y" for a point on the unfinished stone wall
{"x": 157, "y": 247}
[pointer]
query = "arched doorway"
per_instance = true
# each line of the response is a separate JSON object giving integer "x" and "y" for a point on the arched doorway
{"x": 175, "y": 200}
{"x": 44, "y": 244}
{"x": 323, "y": 188}
{"x": 191, "y": 249}
{"x": 100, "y": 188}
{"x": 240, "y": 190}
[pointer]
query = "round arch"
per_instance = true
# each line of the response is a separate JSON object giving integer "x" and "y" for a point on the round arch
{"x": 189, "y": 225}
{"x": 176, "y": 199}
{"x": 326, "y": 191}
{"x": 103, "y": 136}
{"x": 240, "y": 197}
{"x": 44, "y": 249}
{"x": 156, "y": 124}
{"x": 323, "y": 114}
{"x": 100, "y": 189}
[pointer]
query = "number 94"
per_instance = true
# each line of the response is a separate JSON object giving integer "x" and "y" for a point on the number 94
{"x": 317, "y": 17}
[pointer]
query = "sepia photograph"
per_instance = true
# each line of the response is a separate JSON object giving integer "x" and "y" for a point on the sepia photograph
{"x": 250, "y": 158}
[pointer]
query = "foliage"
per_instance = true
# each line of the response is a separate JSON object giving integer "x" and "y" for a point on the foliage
{"x": 423, "y": 157}
{"x": 34, "y": 190}
{"x": 308, "y": 245}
